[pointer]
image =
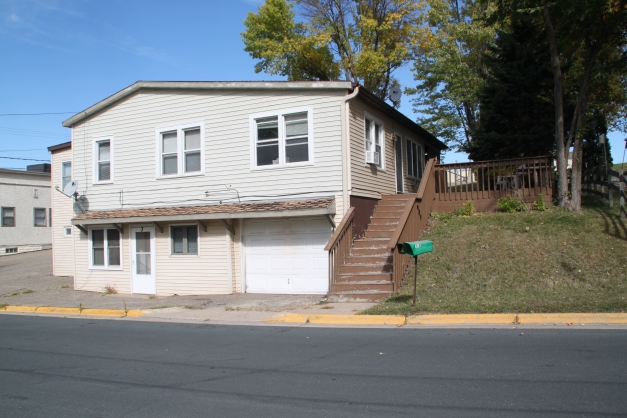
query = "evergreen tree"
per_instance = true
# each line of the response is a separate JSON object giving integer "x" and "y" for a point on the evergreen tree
{"x": 517, "y": 114}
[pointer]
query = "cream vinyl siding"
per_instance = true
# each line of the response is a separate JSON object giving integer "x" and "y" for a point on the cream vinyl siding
{"x": 367, "y": 180}
{"x": 97, "y": 280}
{"x": 202, "y": 274}
{"x": 225, "y": 114}
{"x": 62, "y": 213}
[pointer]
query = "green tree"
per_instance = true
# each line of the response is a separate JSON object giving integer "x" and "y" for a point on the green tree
{"x": 363, "y": 41}
{"x": 516, "y": 117}
{"x": 449, "y": 69}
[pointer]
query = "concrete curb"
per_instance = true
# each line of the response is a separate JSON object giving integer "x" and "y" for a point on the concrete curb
{"x": 455, "y": 319}
{"x": 73, "y": 311}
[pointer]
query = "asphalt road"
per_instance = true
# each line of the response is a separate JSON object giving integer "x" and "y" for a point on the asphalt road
{"x": 57, "y": 367}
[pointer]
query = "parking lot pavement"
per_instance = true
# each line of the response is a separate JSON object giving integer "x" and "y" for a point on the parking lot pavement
{"x": 26, "y": 279}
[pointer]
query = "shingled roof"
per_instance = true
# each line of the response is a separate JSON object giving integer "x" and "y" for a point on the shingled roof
{"x": 238, "y": 210}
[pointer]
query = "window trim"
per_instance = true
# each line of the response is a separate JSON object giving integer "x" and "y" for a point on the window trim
{"x": 376, "y": 120}
{"x": 2, "y": 225}
{"x": 180, "y": 150}
{"x": 281, "y": 113}
{"x": 90, "y": 246}
{"x": 419, "y": 161}
{"x": 63, "y": 163}
{"x": 94, "y": 162}
{"x": 45, "y": 225}
{"x": 171, "y": 240}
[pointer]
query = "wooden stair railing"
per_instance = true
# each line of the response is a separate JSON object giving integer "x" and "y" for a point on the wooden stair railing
{"x": 412, "y": 222}
{"x": 339, "y": 245}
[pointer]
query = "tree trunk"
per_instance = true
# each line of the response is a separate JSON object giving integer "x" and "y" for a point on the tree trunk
{"x": 575, "y": 175}
{"x": 558, "y": 88}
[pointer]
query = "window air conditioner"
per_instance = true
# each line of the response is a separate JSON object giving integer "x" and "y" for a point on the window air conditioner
{"x": 372, "y": 157}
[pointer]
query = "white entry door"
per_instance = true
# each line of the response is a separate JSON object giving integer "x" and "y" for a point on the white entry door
{"x": 143, "y": 260}
{"x": 287, "y": 255}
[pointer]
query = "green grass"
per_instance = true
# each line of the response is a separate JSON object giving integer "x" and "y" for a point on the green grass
{"x": 65, "y": 286}
{"x": 3, "y": 305}
{"x": 28, "y": 291}
{"x": 553, "y": 261}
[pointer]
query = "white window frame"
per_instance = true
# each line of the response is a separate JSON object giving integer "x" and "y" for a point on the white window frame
{"x": 65, "y": 231}
{"x": 180, "y": 150}
{"x": 280, "y": 114}
{"x": 94, "y": 178}
{"x": 418, "y": 161}
{"x": 90, "y": 245}
{"x": 63, "y": 163}
{"x": 171, "y": 239}
{"x": 45, "y": 225}
{"x": 381, "y": 165}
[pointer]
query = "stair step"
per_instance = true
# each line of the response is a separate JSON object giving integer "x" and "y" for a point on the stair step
{"x": 378, "y": 234}
{"x": 370, "y": 243}
{"x": 398, "y": 196}
{"x": 368, "y": 259}
{"x": 392, "y": 221}
{"x": 382, "y": 227}
{"x": 391, "y": 203}
{"x": 365, "y": 268}
{"x": 376, "y": 252}
{"x": 358, "y": 296}
{"x": 388, "y": 210}
{"x": 361, "y": 277}
{"x": 362, "y": 286}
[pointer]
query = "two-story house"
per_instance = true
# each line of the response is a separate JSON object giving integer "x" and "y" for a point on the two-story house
{"x": 222, "y": 187}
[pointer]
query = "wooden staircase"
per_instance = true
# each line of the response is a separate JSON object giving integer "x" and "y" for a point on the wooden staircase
{"x": 366, "y": 274}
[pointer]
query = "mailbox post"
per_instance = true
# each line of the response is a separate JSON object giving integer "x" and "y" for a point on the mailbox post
{"x": 414, "y": 249}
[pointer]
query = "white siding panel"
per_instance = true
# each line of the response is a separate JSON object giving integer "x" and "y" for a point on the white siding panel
{"x": 62, "y": 213}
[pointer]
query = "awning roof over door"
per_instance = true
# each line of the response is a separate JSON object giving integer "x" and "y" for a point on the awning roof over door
{"x": 280, "y": 209}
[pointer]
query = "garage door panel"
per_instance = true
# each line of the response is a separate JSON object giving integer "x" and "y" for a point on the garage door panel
{"x": 294, "y": 260}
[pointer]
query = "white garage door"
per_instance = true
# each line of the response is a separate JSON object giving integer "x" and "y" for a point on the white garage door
{"x": 287, "y": 255}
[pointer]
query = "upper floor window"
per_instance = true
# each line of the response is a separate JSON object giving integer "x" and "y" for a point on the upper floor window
{"x": 282, "y": 138}
{"x": 8, "y": 216}
{"x": 66, "y": 174}
{"x": 414, "y": 159}
{"x": 375, "y": 141}
{"x": 103, "y": 160}
{"x": 181, "y": 151}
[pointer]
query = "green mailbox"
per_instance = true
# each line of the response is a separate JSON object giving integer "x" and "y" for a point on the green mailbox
{"x": 414, "y": 249}
{"x": 417, "y": 247}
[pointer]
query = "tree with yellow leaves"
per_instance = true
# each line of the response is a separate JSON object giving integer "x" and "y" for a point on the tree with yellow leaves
{"x": 360, "y": 41}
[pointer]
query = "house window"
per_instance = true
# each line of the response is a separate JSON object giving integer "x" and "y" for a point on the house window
{"x": 66, "y": 174}
{"x": 36, "y": 193}
{"x": 414, "y": 159}
{"x": 50, "y": 217}
{"x": 184, "y": 240}
{"x": 282, "y": 139}
{"x": 67, "y": 231}
{"x": 375, "y": 135}
{"x": 40, "y": 217}
{"x": 181, "y": 151}
{"x": 103, "y": 160}
{"x": 105, "y": 248}
{"x": 8, "y": 216}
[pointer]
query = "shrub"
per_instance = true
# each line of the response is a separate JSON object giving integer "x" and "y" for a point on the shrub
{"x": 467, "y": 210}
{"x": 510, "y": 205}
{"x": 539, "y": 203}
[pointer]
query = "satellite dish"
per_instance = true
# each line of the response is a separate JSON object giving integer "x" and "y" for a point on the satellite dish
{"x": 395, "y": 94}
{"x": 70, "y": 188}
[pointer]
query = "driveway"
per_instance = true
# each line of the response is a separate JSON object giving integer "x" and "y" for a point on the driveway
{"x": 26, "y": 279}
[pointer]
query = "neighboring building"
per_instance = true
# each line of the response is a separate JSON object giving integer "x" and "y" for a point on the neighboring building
{"x": 25, "y": 209}
{"x": 222, "y": 187}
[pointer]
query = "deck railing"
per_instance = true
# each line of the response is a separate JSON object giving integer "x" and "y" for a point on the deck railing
{"x": 491, "y": 180}
{"x": 339, "y": 245}
{"x": 412, "y": 222}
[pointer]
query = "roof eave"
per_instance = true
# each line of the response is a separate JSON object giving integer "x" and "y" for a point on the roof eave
{"x": 204, "y": 85}
{"x": 382, "y": 106}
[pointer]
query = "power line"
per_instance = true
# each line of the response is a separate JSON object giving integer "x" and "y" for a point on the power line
{"x": 24, "y": 159}
{"x": 20, "y": 150}
{"x": 34, "y": 114}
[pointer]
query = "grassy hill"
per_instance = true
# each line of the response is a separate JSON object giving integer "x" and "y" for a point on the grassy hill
{"x": 553, "y": 261}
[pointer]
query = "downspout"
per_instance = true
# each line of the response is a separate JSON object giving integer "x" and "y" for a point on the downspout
{"x": 346, "y": 154}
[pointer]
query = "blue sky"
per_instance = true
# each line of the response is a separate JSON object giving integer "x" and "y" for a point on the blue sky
{"x": 64, "y": 56}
